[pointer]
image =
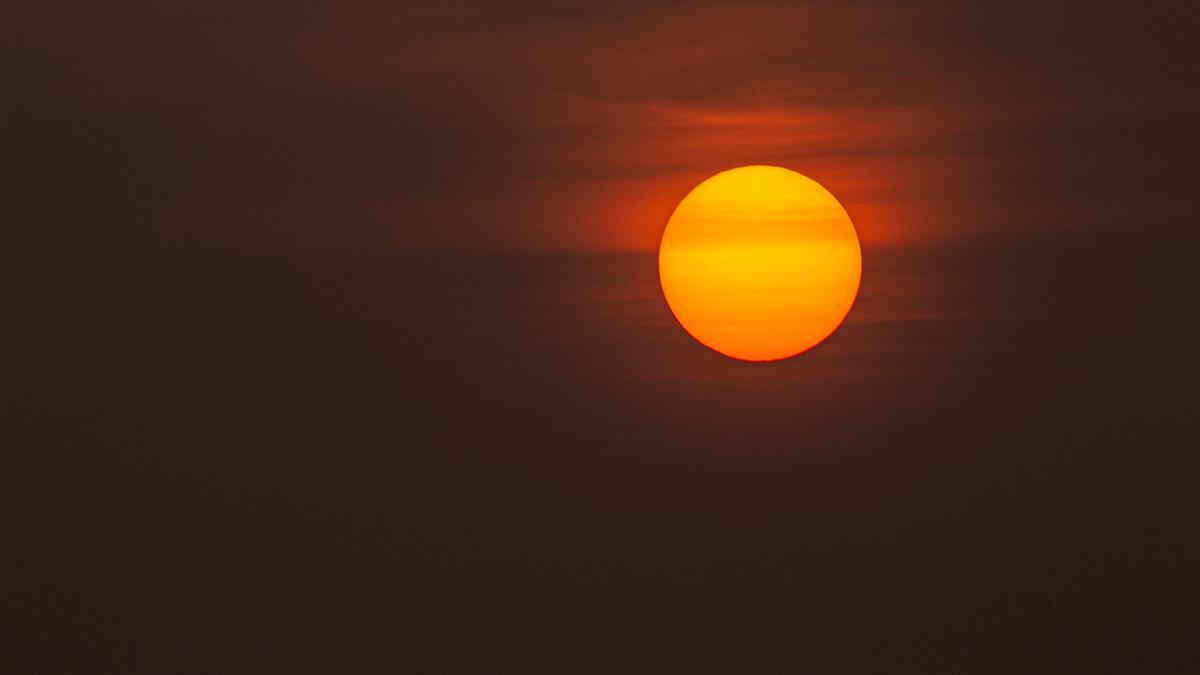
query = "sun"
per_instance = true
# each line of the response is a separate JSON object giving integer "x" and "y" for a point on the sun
{"x": 760, "y": 263}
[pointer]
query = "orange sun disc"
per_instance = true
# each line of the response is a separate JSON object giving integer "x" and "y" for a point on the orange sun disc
{"x": 760, "y": 263}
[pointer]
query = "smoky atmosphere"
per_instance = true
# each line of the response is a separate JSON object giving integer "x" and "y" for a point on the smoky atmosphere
{"x": 852, "y": 337}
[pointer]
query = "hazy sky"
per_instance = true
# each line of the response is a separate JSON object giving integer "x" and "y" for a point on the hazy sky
{"x": 569, "y": 125}
{"x": 263, "y": 416}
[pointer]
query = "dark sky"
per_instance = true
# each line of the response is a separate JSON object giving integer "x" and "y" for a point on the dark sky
{"x": 580, "y": 126}
{"x": 333, "y": 340}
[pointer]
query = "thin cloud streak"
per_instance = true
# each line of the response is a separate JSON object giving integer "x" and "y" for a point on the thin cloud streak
{"x": 468, "y": 126}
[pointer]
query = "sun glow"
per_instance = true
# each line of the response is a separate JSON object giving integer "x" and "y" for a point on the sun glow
{"x": 760, "y": 263}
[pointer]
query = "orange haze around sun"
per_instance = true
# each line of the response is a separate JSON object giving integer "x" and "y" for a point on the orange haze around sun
{"x": 760, "y": 263}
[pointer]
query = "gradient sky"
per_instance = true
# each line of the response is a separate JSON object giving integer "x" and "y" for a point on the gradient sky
{"x": 333, "y": 339}
{"x": 565, "y": 125}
